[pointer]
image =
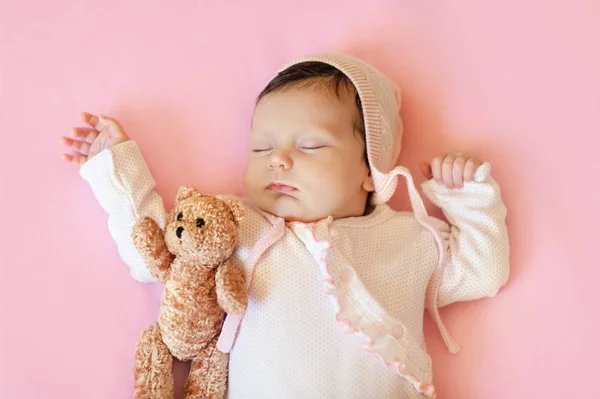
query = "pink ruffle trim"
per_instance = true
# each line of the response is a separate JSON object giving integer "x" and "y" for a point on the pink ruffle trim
{"x": 353, "y": 321}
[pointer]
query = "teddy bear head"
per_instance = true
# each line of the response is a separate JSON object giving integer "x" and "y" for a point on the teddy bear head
{"x": 203, "y": 229}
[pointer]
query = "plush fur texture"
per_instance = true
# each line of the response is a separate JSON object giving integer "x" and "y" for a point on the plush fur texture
{"x": 191, "y": 257}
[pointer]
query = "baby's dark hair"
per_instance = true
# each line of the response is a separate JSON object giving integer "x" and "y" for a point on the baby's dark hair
{"x": 317, "y": 74}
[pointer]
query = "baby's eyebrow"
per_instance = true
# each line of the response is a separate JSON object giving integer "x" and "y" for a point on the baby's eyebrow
{"x": 321, "y": 130}
{"x": 329, "y": 132}
{"x": 262, "y": 133}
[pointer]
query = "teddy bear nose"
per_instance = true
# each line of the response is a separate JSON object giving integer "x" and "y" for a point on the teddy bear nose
{"x": 179, "y": 231}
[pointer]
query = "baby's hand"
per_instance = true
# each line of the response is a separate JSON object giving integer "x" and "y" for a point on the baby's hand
{"x": 87, "y": 142}
{"x": 451, "y": 170}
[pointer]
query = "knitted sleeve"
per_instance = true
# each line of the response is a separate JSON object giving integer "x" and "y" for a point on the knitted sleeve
{"x": 476, "y": 239}
{"x": 124, "y": 186}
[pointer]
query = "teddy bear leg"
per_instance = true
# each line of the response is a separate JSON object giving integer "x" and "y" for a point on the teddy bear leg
{"x": 153, "y": 377}
{"x": 208, "y": 374}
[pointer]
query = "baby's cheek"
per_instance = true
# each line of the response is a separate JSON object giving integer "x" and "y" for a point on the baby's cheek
{"x": 336, "y": 172}
{"x": 327, "y": 185}
{"x": 250, "y": 179}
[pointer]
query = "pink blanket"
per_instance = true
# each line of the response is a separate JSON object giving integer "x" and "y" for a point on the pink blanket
{"x": 517, "y": 85}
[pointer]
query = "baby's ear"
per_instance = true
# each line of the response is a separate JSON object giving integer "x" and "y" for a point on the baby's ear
{"x": 236, "y": 207}
{"x": 185, "y": 192}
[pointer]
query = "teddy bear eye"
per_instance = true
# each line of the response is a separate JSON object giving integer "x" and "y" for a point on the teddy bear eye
{"x": 200, "y": 222}
{"x": 180, "y": 216}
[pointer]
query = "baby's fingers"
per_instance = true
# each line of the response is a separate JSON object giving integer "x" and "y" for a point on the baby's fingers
{"x": 74, "y": 159}
{"x": 85, "y": 134}
{"x": 426, "y": 169}
{"x": 448, "y": 171}
{"x": 458, "y": 171}
{"x": 436, "y": 169}
{"x": 91, "y": 120}
{"x": 471, "y": 167}
{"x": 81, "y": 147}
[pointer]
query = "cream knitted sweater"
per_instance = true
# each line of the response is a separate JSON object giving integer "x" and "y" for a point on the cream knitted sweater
{"x": 336, "y": 307}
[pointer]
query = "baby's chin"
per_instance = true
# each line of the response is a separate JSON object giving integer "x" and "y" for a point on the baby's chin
{"x": 288, "y": 208}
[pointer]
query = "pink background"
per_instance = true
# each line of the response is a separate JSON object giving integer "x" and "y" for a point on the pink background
{"x": 515, "y": 82}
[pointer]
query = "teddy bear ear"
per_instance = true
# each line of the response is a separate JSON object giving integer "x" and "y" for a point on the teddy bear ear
{"x": 185, "y": 192}
{"x": 236, "y": 208}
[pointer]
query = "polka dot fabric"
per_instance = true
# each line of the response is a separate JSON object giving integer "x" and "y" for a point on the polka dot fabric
{"x": 477, "y": 238}
{"x": 290, "y": 344}
{"x": 124, "y": 187}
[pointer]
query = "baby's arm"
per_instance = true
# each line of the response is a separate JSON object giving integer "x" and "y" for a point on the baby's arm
{"x": 121, "y": 181}
{"x": 477, "y": 240}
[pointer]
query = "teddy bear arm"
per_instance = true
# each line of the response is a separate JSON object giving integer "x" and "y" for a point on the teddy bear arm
{"x": 231, "y": 289}
{"x": 149, "y": 240}
{"x": 160, "y": 267}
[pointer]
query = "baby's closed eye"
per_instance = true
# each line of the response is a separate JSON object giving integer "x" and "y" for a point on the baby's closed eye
{"x": 312, "y": 144}
{"x": 260, "y": 150}
{"x": 311, "y": 147}
{"x": 260, "y": 146}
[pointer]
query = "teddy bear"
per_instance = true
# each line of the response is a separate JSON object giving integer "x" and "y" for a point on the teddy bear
{"x": 191, "y": 258}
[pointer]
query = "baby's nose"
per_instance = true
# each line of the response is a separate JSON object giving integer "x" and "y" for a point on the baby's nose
{"x": 280, "y": 160}
{"x": 179, "y": 231}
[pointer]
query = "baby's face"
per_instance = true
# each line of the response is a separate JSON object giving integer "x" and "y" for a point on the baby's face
{"x": 306, "y": 159}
